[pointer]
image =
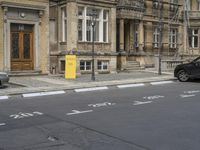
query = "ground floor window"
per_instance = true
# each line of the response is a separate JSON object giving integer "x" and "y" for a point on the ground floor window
{"x": 102, "y": 65}
{"x": 85, "y": 65}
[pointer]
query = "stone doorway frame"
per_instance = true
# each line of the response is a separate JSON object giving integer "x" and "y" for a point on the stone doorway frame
{"x": 36, "y": 44}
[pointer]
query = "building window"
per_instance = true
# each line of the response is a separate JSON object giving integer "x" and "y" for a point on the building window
{"x": 187, "y": 4}
{"x": 62, "y": 65}
{"x": 156, "y": 36}
{"x": 89, "y": 35}
{"x": 173, "y": 38}
{"x": 84, "y": 25}
{"x": 199, "y": 5}
{"x": 63, "y": 24}
{"x": 80, "y": 23}
{"x": 155, "y": 4}
{"x": 136, "y": 40}
{"x": 173, "y": 5}
{"x": 193, "y": 38}
{"x": 105, "y": 26}
{"x": 85, "y": 65}
{"x": 102, "y": 65}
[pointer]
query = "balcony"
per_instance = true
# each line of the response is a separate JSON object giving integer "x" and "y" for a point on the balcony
{"x": 136, "y": 5}
{"x": 130, "y": 9}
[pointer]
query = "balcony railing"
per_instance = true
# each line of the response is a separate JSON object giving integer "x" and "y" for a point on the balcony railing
{"x": 136, "y": 5}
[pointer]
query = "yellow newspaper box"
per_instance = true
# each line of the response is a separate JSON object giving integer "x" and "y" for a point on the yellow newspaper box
{"x": 70, "y": 66}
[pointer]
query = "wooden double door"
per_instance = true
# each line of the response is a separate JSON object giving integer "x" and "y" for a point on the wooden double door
{"x": 21, "y": 47}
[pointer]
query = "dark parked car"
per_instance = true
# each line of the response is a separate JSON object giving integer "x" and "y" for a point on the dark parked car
{"x": 191, "y": 70}
{"x": 4, "y": 78}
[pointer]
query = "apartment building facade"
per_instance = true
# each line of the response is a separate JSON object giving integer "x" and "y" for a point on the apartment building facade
{"x": 71, "y": 33}
{"x": 126, "y": 31}
{"x": 24, "y": 35}
{"x": 192, "y": 46}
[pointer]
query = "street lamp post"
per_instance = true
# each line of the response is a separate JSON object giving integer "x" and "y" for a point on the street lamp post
{"x": 160, "y": 38}
{"x": 93, "y": 15}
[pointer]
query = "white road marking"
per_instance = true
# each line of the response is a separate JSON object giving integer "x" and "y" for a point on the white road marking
{"x": 21, "y": 115}
{"x": 43, "y": 94}
{"x": 4, "y": 97}
{"x": 153, "y": 97}
{"x": 91, "y": 89}
{"x": 161, "y": 82}
{"x": 191, "y": 92}
{"x": 130, "y": 85}
{"x": 186, "y": 96}
{"x": 141, "y": 103}
{"x": 75, "y": 112}
{"x": 102, "y": 104}
{"x": 2, "y": 124}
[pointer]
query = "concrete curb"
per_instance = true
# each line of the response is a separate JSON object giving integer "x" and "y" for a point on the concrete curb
{"x": 114, "y": 83}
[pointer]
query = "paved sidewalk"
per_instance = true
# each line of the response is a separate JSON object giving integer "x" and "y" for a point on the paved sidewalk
{"x": 28, "y": 84}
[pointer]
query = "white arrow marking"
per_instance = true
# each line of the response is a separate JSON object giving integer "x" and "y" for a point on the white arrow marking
{"x": 75, "y": 112}
{"x": 2, "y": 124}
{"x": 185, "y": 96}
{"x": 141, "y": 103}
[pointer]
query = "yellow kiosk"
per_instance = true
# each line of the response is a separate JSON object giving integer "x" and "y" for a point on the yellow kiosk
{"x": 70, "y": 66}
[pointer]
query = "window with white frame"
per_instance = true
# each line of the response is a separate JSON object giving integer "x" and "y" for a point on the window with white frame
{"x": 89, "y": 34}
{"x": 85, "y": 65}
{"x": 85, "y": 28}
{"x": 102, "y": 65}
{"x": 156, "y": 36}
{"x": 173, "y": 38}
{"x": 63, "y": 24}
{"x": 193, "y": 36}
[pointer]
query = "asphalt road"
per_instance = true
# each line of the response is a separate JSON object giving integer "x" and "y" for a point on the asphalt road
{"x": 152, "y": 117}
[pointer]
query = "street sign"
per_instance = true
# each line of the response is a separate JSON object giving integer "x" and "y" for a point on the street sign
{"x": 70, "y": 66}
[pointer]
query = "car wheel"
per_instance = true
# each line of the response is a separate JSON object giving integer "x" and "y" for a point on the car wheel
{"x": 183, "y": 76}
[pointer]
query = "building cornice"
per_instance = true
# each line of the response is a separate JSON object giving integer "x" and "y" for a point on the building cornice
{"x": 21, "y": 5}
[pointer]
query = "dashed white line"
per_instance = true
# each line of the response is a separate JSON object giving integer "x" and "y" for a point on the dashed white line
{"x": 91, "y": 89}
{"x": 130, "y": 85}
{"x": 2, "y": 124}
{"x": 43, "y": 94}
{"x": 4, "y": 97}
{"x": 161, "y": 82}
